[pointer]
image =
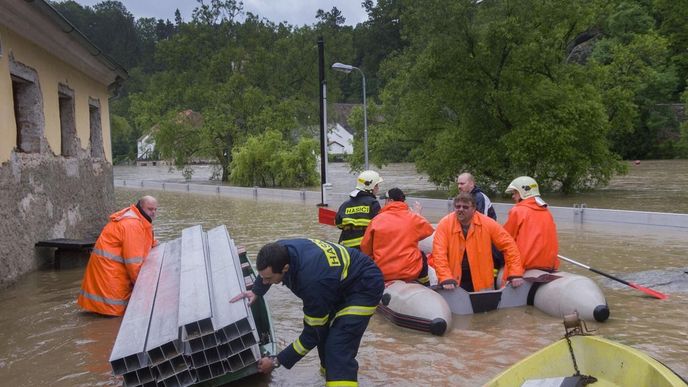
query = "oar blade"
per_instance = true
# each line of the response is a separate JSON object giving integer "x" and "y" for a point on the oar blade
{"x": 650, "y": 292}
{"x": 326, "y": 216}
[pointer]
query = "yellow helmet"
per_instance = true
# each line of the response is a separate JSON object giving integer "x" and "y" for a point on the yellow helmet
{"x": 367, "y": 180}
{"x": 525, "y": 185}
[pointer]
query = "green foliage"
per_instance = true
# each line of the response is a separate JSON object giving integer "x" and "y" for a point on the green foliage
{"x": 559, "y": 90}
{"x": 484, "y": 88}
{"x": 634, "y": 75}
{"x": 123, "y": 140}
{"x": 267, "y": 160}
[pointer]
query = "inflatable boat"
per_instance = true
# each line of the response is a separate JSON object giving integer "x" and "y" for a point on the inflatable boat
{"x": 429, "y": 309}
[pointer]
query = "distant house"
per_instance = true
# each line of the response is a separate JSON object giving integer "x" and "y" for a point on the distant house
{"x": 55, "y": 154}
{"x": 340, "y": 137}
{"x": 145, "y": 145}
{"x": 339, "y": 141}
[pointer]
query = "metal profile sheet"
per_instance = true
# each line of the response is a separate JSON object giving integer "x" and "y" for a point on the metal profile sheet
{"x": 169, "y": 368}
{"x": 226, "y": 279}
{"x": 195, "y": 309}
{"x": 201, "y": 343}
{"x": 181, "y": 379}
{"x": 139, "y": 377}
{"x": 211, "y": 371}
{"x": 128, "y": 352}
{"x": 163, "y": 337}
{"x": 243, "y": 359}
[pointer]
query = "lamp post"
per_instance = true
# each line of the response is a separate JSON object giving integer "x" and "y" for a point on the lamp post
{"x": 345, "y": 68}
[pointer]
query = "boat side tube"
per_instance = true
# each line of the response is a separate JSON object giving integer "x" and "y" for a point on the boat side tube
{"x": 415, "y": 306}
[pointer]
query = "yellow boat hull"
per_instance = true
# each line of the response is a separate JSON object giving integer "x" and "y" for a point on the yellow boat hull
{"x": 613, "y": 364}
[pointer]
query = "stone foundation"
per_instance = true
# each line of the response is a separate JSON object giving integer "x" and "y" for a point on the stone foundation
{"x": 45, "y": 197}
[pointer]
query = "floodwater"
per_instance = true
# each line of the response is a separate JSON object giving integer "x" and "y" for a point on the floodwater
{"x": 46, "y": 340}
{"x": 652, "y": 185}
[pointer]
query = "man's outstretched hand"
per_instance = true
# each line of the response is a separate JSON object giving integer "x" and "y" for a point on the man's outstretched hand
{"x": 247, "y": 294}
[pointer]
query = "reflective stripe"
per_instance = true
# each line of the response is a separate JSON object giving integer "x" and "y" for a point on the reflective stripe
{"x": 315, "y": 321}
{"x": 424, "y": 280}
{"x": 346, "y": 258}
{"x": 341, "y": 383}
{"x": 352, "y": 242}
{"x": 357, "y": 311}
{"x": 109, "y": 256}
{"x": 104, "y": 300}
{"x": 299, "y": 348}
{"x": 358, "y": 222}
{"x": 117, "y": 258}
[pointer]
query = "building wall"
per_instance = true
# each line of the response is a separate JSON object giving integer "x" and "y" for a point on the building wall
{"x": 44, "y": 195}
{"x": 51, "y": 72}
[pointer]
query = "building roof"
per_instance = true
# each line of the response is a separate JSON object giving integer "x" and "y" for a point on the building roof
{"x": 40, "y": 23}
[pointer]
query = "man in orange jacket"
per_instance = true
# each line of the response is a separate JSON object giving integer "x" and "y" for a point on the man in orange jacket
{"x": 531, "y": 225}
{"x": 392, "y": 237}
{"x": 462, "y": 249}
{"x": 117, "y": 257}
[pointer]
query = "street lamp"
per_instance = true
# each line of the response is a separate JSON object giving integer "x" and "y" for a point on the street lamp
{"x": 345, "y": 68}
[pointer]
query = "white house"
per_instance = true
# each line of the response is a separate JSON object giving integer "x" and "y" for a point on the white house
{"x": 339, "y": 141}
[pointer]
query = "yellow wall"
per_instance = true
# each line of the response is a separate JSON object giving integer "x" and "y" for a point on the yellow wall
{"x": 51, "y": 72}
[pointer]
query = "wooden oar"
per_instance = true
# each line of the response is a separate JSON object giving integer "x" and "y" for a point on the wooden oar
{"x": 650, "y": 292}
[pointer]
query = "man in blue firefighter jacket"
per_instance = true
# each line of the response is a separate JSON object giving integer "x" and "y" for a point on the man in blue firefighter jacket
{"x": 340, "y": 288}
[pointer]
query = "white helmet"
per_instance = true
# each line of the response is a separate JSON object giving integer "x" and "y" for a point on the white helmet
{"x": 367, "y": 181}
{"x": 525, "y": 185}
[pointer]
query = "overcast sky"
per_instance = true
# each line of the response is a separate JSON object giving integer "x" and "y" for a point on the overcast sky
{"x": 295, "y": 12}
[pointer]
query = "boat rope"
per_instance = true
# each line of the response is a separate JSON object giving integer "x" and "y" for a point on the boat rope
{"x": 574, "y": 327}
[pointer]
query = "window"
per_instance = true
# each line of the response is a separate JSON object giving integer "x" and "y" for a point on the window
{"x": 28, "y": 107}
{"x": 68, "y": 145}
{"x": 97, "y": 149}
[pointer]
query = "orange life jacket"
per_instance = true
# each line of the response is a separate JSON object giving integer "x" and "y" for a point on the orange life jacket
{"x": 391, "y": 239}
{"x": 449, "y": 245}
{"x": 115, "y": 262}
{"x": 535, "y": 233}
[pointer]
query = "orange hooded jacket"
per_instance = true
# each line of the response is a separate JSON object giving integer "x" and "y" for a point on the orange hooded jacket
{"x": 449, "y": 245}
{"x": 115, "y": 262}
{"x": 391, "y": 239}
{"x": 535, "y": 233}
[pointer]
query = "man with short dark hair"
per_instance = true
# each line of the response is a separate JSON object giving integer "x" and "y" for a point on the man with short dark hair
{"x": 340, "y": 288}
{"x": 117, "y": 257}
{"x": 392, "y": 237}
{"x": 462, "y": 250}
{"x": 483, "y": 204}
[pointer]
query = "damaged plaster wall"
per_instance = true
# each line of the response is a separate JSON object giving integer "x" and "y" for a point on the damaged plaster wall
{"x": 46, "y": 197}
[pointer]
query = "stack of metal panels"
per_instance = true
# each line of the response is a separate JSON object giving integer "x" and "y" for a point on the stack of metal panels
{"x": 179, "y": 327}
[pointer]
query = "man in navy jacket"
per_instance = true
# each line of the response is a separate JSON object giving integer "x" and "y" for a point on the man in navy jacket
{"x": 340, "y": 288}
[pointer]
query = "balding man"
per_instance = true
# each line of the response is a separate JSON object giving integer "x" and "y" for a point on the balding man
{"x": 466, "y": 183}
{"x": 117, "y": 257}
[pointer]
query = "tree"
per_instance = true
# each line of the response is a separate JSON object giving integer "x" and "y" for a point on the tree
{"x": 485, "y": 87}
{"x": 267, "y": 160}
{"x": 633, "y": 71}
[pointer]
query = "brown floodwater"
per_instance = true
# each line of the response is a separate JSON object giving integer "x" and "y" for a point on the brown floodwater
{"x": 652, "y": 185}
{"x": 46, "y": 340}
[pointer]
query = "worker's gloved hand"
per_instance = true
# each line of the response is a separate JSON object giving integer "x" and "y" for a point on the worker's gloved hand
{"x": 247, "y": 294}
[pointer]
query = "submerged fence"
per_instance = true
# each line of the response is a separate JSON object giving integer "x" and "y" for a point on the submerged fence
{"x": 433, "y": 209}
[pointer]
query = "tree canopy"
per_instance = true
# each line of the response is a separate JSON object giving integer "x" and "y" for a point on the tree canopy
{"x": 559, "y": 90}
